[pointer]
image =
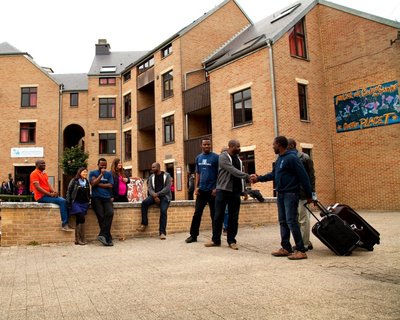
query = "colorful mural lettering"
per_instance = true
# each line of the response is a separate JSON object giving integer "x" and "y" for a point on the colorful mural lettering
{"x": 367, "y": 108}
{"x": 136, "y": 192}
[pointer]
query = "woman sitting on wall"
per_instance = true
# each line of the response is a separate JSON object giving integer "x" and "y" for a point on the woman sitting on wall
{"x": 121, "y": 181}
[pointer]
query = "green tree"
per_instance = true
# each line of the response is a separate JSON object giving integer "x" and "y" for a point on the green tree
{"x": 73, "y": 159}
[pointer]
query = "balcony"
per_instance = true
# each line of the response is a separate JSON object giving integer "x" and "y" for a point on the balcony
{"x": 146, "y": 118}
{"x": 145, "y": 78}
{"x": 197, "y": 98}
{"x": 146, "y": 159}
{"x": 193, "y": 148}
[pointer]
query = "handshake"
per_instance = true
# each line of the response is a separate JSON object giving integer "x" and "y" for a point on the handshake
{"x": 253, "y": 178}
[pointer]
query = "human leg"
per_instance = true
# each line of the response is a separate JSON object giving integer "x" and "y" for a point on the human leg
{"x": 146, "y": 203}
{"x": 291, "y": 202}
{"x": 62, "y": 203}
{"x": 220, "y": 204}
{"x": 283, "y": 226}
{"x": 233, "y": 217}
{"x": 97, "y": 206}
{"x": 108, "y": 218}
{"x": 201, "y": 201}
{"x": 304, "y": 222}
{"x": 164, "y": 204}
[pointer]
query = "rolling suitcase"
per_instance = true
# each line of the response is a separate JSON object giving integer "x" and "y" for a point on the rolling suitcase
{"x": 333, "y": 232}
{"x": 368, "y": 235}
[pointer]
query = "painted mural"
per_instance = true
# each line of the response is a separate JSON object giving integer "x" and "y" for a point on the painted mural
{"x": 136, "y": 190}
{"x": 374, "y": 106}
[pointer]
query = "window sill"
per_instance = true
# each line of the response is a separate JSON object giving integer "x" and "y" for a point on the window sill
{"x": 305, "y": 121}
{"x": 301, "y": 58}
{"x": 169, "y": 97}
{"x": 107, "y": 118}
{"x": 242, "y": 125}
{"x": 168, "y": 143}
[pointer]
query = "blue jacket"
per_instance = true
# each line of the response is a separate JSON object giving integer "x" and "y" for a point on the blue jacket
{"x": 288, "y": 174}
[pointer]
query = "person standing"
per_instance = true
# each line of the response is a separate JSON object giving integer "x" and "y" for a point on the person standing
{"x": 191, "y": 181}
{"x": 204, "y": 187}
{"x": 159, "y": 190}
{"x": 10, "y": 184}
{"x": 121, "y": 181}
{"x": 102, "y": 182}
{"x": 288, "y": 174}
{"x": 44, "y": 193}
{"x": 304, "y": 215}
{"x": 230, "y": 185}
{"x": 78, "y": 198}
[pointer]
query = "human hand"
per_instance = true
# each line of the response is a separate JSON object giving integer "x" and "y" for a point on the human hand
{"x": 196, "y": 191}
{"x": 157, "y": 200}
{"x": 253, "y": 178}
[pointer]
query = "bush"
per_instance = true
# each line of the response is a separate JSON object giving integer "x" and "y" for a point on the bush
{"x": 73, "y": 159}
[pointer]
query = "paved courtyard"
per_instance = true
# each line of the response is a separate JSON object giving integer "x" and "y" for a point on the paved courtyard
{"x": 146, "y": 278}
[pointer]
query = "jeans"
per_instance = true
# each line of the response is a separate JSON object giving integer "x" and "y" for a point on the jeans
{"x": 288, "y": 220}
{"x": 222, "y": 199}
{"x": 226, "y": 218}
{"x": 60, "y": 202}
{"x": 304, "y": 222}
{"x": 164, "y": 204}
{"x": 103, "y": 207}
{"x": 202, "y": 199}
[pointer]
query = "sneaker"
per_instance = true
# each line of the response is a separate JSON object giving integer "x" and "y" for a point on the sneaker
{"x": 234, "y": 246}
{"x": 212, "y": 244}
{"x": 110, "y": 243}
{"x": 280, "y": 253}
{"x": 66, "y": 228}
{"x": 297, "y": 255}
{"x": 163, "y": 236}
{"x": 191, "y": 239}
{"x": 103, "y": 240}
{"x": 141, "y": 228}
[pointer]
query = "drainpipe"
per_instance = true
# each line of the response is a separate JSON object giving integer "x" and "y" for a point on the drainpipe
{"x": 60, "y": 140}
{"x": 272, "y": 74}
{"x": 122, "y": 117}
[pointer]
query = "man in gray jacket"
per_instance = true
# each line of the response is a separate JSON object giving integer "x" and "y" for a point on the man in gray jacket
{"x": 159, "y": 188}
{"x": 230, "y": 185}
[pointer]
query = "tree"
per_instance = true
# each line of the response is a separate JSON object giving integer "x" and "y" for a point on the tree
{"x": 73, "y": 159}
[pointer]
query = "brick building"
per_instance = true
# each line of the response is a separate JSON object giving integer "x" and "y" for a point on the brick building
{"x": 223, "y": 77}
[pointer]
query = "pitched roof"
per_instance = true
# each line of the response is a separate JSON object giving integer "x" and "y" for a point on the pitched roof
{"x": 72, "y": 81}
{"x": 8, "y": 49}
{"x": 119, "y": 60}
{"x": 272, "y": 28}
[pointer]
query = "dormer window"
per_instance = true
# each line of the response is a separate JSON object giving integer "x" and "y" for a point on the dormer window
{"x": 166, "y": 51}
{"x": 108, "y": 69}
{"x": 297, "y": 40}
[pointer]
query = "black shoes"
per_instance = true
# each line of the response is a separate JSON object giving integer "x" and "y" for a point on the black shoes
{"x": 191, "y": 239}
{"x": 104, "y": 241}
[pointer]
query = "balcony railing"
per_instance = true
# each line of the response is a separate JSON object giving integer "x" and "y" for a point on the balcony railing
{"x": 146, "y": 118}
{"x": 197, "y": 98}
{"x": 146, "y": 159}
{"x": 192, "y": 148}
{"x": 145, "y": 78}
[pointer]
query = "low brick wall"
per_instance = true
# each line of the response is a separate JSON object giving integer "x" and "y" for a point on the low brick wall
{"x": 24, "y": 223}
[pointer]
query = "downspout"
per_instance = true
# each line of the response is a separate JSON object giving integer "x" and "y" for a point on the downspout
{"x": 122, "y": 116}
{"x": 272, "y": 75}
{"x": 60, "y": 140}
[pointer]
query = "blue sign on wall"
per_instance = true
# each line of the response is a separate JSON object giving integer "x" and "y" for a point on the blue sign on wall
{"x": 367, "y": 108}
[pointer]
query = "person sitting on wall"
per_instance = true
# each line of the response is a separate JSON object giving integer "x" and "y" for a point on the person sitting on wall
{"x": 44, "y": 193}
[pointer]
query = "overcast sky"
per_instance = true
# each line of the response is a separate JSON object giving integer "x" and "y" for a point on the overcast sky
{"x": 62, "y": 34}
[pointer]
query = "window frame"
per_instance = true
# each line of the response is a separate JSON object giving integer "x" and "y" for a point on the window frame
{"x": 128, "y": 145}
{"x": 242, "y": 101}
{"x": 145, "y": 65}
{"x": 303, "y": 102}
{"x": 169, "y": 129}
{"x": 31, "y": 96}
{"x": 72, "y": 101}
{"x": 168, "y": 84}
{"x": 166, "y": 51}
{"x": 127, "y": 76}
{"x": 298, "y": 40}
{"x": 127, "y": 107}
{"x": 107, "y": 81}
{"x": 106, "y": 142}
{"x": 30, "y": 129}
{"x": 110, "y": 105}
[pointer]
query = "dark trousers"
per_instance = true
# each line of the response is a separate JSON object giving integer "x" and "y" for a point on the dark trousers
{"x": 164, "y": 204}
{"x": 202, "y": 199}
{"x": 104, "y": 212}
{"x": 80, "y": 218}
{"x": 232, "y": 199}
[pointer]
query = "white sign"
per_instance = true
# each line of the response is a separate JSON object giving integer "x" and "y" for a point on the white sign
{"x": 28, "y": 152}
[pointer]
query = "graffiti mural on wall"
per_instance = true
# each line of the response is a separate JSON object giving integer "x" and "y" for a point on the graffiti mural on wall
{"x": 367, "y": 108}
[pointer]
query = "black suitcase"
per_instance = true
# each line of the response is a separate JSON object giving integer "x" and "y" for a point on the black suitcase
{"x": 333, "y": 232}
{"x": 368, "y": 235}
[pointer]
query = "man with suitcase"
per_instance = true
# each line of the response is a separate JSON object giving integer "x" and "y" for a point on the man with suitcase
{"x": 288, "y": 174}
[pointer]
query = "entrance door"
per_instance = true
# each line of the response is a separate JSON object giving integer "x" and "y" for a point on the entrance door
{"x": 22, "y": 173}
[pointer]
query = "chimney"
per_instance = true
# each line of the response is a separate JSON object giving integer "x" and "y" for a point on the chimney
{"x": 102, "y": 47}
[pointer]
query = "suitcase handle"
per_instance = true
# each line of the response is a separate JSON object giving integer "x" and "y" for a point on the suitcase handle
{"x": 324, "y": 211}
{"x": 310, "y": 211}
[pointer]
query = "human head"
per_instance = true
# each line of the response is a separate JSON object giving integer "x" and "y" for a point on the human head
{"x": 115, "y": 165}
{"x": 291, "y": 144}
{"x": 81, "y": 173}
{"x": 40, "y": 164}
{"x": 280, "y": 144}
{"x": 206, "y": 145}
{"x": 155, "y": 168}
{"x": 233, "y": 147}
{"x": 102, "y": 163}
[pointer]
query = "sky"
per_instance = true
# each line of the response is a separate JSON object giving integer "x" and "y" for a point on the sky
{"x": 62, "y": 34}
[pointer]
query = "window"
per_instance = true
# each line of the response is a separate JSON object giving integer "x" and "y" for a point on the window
{"x": 168, "y": 84}
{"x": 107, "y": 108}
{"x": 27, "y": 132}
{"x": 168, "y": 124}
{"x": 242, "y": 107}
{"x": 28, "y": 97}
{"x": 107, "y": 81}
{"x": 128, "y": 145}
{"x": 248, "y": 162}
{"x": 297, "y": 40}
{"x": 108, "y": 69}
{"x": 127, "y": 76}
{"x": 107, "y": 143}
{"x": 302, "y": 90}
{"x": 307, "y": 151}
{"x": 146, "y": 65}
{"x": 74, "y": 99}
{"x": 166, "y": 51}
{"x": 127, "y": 108}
